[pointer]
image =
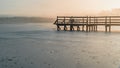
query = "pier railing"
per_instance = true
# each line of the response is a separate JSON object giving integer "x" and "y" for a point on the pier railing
{"x": 87, "y": 23}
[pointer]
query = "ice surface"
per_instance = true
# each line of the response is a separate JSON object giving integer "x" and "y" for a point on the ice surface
{"x": 41, "y": 46}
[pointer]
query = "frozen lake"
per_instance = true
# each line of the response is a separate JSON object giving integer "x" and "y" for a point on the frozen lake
{"x": 35, "y": 45}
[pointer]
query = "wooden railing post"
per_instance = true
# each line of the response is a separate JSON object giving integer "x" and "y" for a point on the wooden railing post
{"x": 105, "y": 24}
{"x": 83, "y": 24}
{"x": 96, "y": 21}
{"x": 110, "y": 24}
{"x": 87, "y": 24}
{"x": 94, "y": 24}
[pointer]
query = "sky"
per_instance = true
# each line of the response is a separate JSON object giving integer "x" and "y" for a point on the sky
{"x": 53, "y": 8}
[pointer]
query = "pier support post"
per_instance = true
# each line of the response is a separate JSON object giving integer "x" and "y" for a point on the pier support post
{"x": 83, "y": 28}
{"x": 71, "y": 27}
{"x": 78, "y": 28}
{"x": 92, "y": 28}
{"x": 96, "y": 28}
{"x": 89, "y": 28}
{"x": 58, "y": 28}
{"x": 65, "y": 27}
{"x": 105, "y": 28}
{"x": 86, "y": 28}
{"x": 109, "y": 28}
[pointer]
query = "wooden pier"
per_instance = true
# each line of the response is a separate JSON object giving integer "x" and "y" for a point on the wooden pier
{"x": 86, "y": 23}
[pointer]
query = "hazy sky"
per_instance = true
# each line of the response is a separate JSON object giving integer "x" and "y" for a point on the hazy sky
{"x": 56, "y": 7}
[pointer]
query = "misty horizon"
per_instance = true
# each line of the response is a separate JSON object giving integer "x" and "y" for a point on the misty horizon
{"x": 53, "y": 8}
{"x": 20, "y": 19}
{"x": 113, "y": 12}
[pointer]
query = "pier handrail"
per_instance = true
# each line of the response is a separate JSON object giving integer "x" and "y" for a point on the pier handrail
{"x": 88, "y": 21}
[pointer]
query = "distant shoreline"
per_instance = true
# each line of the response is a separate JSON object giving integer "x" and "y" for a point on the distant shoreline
{"x": 26, "y": 20}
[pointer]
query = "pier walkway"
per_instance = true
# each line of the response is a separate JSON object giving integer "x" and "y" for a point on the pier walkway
{"x": 86, "y": 23}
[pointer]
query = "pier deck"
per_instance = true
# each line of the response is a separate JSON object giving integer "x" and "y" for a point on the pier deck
{"x": 86, "y": 23}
